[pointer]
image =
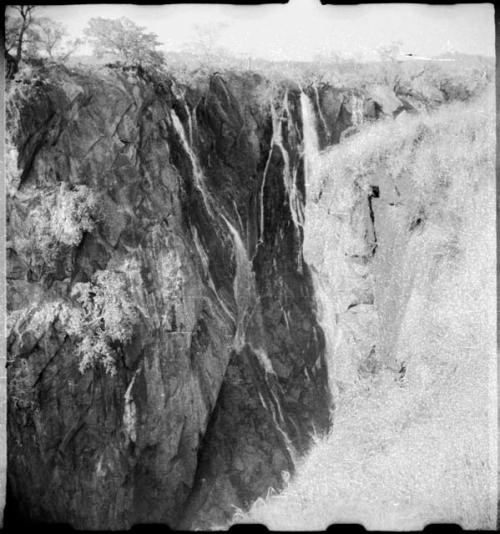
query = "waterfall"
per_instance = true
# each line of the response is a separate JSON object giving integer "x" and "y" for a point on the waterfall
{"x": 289, "y": 177}
{"x": 199, "y": 177}
{"x": 190, "y": 122}
{"x": 356, "y": 110}
{"x": 311, "y": 141}
{"x": 247, "y": 302}
{"x": 295, "y": 201}
{"x": 261, "y": 200}
{"x": 206, "y": 272}
{"x": 320, "y": 112}
{"x": 245, "y": 292}
{"x": 180, "y": 94}
{"x": 325, "y": 306}
{"x": 357, "y": 116}
{"x": 338, "y": 251}
{"x": 243, "y": 287}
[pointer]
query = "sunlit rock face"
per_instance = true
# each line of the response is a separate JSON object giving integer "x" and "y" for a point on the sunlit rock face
{"x": 339, "y": 245}
{"x": 364, "y": 243}
{"x": 360, "y": 245}
{"x": 355, "y": 243}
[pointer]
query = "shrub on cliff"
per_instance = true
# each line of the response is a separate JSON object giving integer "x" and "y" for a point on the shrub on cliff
{"x": 75, "y": 213}
{"x": 58, "y": 221}
{"x": 99, "y": 318}
{"x": 103, "y": 320}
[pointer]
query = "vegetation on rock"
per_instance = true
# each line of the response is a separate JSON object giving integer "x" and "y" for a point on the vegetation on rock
{"x": 57, "y": 221}
{"x": 104, "y": 320}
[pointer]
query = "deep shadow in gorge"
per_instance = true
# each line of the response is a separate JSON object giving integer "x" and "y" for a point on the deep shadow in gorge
{"x": 216, "y": 392}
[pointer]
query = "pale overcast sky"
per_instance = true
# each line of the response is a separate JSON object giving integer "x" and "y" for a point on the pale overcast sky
{"x": 303, "y": 28}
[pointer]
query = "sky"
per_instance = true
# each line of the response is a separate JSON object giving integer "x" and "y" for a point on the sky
{"x": 302, "y": 29}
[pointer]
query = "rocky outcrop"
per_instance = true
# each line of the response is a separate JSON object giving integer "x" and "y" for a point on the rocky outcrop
{"x": 172, "y": 215}
{"x": 169, "y": 307}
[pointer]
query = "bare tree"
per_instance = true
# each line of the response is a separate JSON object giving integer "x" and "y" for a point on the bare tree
{"x": 206, "y": 44}
{"x": 389, "y": 56}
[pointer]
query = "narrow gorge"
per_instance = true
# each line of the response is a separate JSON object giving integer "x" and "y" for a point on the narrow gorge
{"x": 188, "y": 290}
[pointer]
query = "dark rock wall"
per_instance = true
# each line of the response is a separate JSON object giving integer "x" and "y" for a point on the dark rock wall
{"x": 191, "y": 422}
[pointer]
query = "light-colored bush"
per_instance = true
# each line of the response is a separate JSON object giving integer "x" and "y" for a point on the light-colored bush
{"x": 103, "y": 321}
{"x": 56, "y": 223}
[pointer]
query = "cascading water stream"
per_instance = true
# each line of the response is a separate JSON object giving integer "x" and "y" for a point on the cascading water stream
{"x": 248, "y": 321}
{"x": 245, "y": 292}
{"x": 320, "y": 112}
{"x": 357, "y": 117}
{"x": 311, "y": 141}
{"x": 247, "y": 301}
{"x": 288, "y": 175}
{"x": 338, "y": 248}
{"x": 357, "y": 110}
{"x": 295, "y": 202}
{"x": 295, "y": 199}
{"x": 312, "y": 162}
{"x": 190, "y": 122}
{"x": 199, "y": 177}
{"x": 243, "y": 287}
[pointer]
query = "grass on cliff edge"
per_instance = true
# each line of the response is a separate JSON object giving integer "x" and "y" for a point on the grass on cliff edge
{"x": 405, "y": 454}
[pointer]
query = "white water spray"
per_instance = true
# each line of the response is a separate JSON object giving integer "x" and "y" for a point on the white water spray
{"x": 311, "y": 141}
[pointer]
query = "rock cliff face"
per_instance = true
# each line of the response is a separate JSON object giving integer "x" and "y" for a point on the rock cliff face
{"x": 187, "y": 225}
{"x": 166, "y": 362}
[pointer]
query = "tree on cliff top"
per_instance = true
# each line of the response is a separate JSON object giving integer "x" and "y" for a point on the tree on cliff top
{"x": 125, "y": 40}
{"x": 28, "y": 37}
{"x": 50, "y": 39}
{"x": 18, "y": 25}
